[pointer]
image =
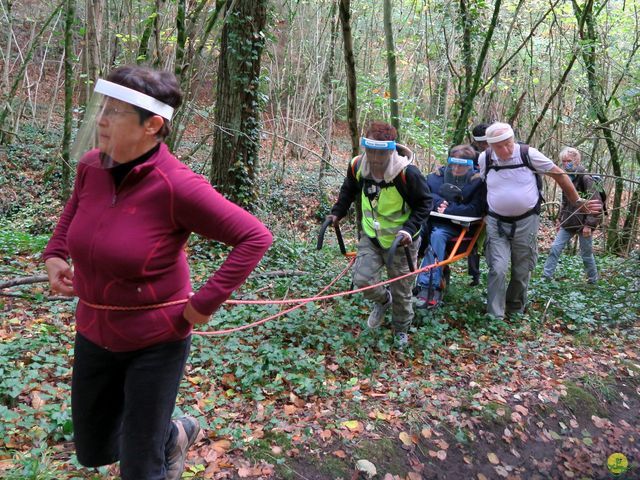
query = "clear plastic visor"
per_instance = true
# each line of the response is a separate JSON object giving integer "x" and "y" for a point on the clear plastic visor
{"x": 112, "y": 130}
{"x": 458, "y": 175}
{"x": 108, "y": 126}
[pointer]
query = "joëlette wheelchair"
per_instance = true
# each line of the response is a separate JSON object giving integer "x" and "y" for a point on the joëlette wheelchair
{"x": 457, "y": 247}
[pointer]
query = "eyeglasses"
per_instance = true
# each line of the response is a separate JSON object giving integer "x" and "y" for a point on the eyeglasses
{"x": 111, "y": 112}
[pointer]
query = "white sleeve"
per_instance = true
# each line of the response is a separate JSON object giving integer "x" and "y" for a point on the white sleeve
{"x": 539, "y": 162}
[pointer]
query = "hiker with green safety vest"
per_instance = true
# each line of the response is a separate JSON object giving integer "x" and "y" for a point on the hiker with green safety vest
{"x": 395, "y": 202}
{"x": 513, "y": 172}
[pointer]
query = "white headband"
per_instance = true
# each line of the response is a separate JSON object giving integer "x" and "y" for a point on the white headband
{"x": 500, "y": 138}
{"x": 480, "y": 139}
{"x": 134, "y": 97}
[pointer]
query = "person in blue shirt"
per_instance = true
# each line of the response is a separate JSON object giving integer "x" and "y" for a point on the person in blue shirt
{"x": 457, "y": 189}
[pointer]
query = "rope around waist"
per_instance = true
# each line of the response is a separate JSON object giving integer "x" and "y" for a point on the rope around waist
{"x": 122, "y": 308}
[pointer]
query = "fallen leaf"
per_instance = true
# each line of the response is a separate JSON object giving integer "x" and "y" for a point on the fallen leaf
{"x": 222, "y": 446}
{"x": 414, "y": 476}
{"x": 500, "y": 470}
{"x": 353, "y": 425}
{"x": 325, "y": 435}
{"x": 599, "y": 422}
{"x": 290, "y": 409}
{"x": 426, "y": 432}
{"x": 276, "y": 450}
{"x": 522, "y": 410}
{"x": 405, "y": 438}
{"x": 482, "y": 477}
{"x": 367, "y": 467}
{"x": 340, "y": 454}
{"x": 36, "y": 400}
{"x": 442, "y": 444}
{"x": 246, "y": 472}
{"x": 493, "y": 458}
{"x": 441, "y": 454}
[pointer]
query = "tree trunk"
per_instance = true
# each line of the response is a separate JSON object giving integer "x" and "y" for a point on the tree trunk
{"x": 237, "y": 134}
{"x": 188, "y": 62}
{"x": 631, "y": 221}
{"x": 350, "y": 67}
{"x": 92, "y": 60}
{"x": 470, "y": 92}
{"x": 10, "y": 95}
{"x": 327, "y": 105}
{"x": 391, "y": 65}
{"x": 69, "y": 58}
{"x": 589, "y": 40}
{"x": 561, "y": 83}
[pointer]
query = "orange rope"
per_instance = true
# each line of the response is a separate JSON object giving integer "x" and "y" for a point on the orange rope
{"x": 453, "y": 257}
{"x": 119, "y": 308}
{"x": 283, "y": 312}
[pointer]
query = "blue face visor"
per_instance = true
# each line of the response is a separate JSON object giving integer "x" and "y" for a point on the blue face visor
{"x": 378, "y": 144}
{"x": 460, "y": 161}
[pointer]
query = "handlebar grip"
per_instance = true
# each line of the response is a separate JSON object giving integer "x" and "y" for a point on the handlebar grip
{"x": 392, "y": 253}
{"x": 321, "y": 233}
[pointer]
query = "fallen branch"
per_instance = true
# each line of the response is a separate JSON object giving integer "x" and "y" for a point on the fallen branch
{"x": 24, "y": 281}
{"x": 57, "y": 298}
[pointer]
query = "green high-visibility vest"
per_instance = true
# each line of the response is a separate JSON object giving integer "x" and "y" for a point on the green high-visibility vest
{"x": 383, "y": 216}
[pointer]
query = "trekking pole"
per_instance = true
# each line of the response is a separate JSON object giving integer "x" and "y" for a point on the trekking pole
{"x": 323, "y": 229}
{"x": 392, "y": 253}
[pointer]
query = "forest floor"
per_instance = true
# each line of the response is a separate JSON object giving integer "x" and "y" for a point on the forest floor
{"x": 552, "y": 394}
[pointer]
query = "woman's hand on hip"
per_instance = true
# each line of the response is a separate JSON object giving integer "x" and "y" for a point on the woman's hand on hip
{"x": 192, "y": 316}
{"x": 60, "y": 276}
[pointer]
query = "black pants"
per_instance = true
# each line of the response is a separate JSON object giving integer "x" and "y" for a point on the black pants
{"x": 473, "y": 263}
{"x": 122, "y": 404}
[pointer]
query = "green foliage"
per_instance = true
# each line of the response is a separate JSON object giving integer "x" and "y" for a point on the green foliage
{"x": 13, "y": 242}
{"x": 33, "y": 465}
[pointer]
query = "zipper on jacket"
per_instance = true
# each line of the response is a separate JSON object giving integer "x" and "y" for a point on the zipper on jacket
{"x": 117, "y": 190}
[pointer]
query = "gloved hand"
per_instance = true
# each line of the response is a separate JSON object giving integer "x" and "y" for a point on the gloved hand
{"x": 406, "y": 238}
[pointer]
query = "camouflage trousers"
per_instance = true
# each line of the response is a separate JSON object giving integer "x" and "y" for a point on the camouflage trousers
{"x": 369, "y": 265}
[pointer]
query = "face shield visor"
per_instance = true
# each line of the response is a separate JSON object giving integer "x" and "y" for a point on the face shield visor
{"x": 378, "y": 152}
{"x": 458, "y": 171}
{"x": 457, "y": 174}
{"x": 113, "y": 127}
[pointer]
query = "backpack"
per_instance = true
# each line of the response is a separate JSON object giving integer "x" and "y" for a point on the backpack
{"x": 598, "y": 185}
{"x": 526, "y": 163}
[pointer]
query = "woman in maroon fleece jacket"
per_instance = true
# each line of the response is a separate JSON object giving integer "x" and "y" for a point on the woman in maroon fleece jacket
{"x": 125, "y": 226}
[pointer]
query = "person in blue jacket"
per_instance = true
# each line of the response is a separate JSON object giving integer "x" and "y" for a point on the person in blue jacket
{"x": 457, "y": 189}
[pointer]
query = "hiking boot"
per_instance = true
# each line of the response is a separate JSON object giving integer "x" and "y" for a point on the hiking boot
{"x": 402, "y": 340}
{"x": 435, "y": 300}
{"x": 188, "y": 429}
{"x": 377, "y": 315}
{"x": 422, "y": 297}
{"x": 475, "y": 281}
